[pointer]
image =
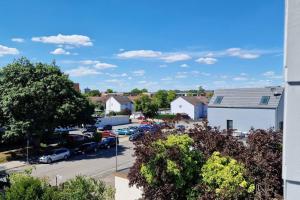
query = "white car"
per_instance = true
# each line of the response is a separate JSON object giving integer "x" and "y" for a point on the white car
{"x": 54, "y": 155}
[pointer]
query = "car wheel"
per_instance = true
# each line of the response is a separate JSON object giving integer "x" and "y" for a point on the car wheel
{"x": 49, "y": 160}
{"x": 65, "y": 157}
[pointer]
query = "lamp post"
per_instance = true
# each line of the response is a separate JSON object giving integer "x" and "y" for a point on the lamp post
{"x": 117, "y": 137}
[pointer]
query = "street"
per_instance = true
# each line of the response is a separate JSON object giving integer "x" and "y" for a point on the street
{"x": 99, "y": 165}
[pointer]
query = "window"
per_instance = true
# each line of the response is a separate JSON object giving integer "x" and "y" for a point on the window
{"x": 264, "y": 100}
{"x": 180, "y": 106}
{"x": 218, "y": 100}
{"x": 229, "y": 124}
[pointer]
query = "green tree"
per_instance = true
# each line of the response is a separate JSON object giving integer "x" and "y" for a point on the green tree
{"x": 84, "y": 188}
{"x": 146, "y": 106}
{"x": 167, "y": 168}
{"x": 201, "y": 90}
{"x": 25, "y": 187}
{"x": 36, "y": 98}
{"x": 161, "y": 99}
{"x": 171, "y": 96}
{"x": 93, "y": 93}
{"x": 109, "y": 91}
{"x": 226, "y": 177}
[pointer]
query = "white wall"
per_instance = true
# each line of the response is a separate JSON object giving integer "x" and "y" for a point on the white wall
{"x": 243, "y": 119}
{"x": 179, "y": 105}
{"x": 112, "y": 105}
{"x": 124, "y": 192}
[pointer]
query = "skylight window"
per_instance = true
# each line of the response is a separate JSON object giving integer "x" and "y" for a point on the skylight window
{"x": 264, "y": 100}
{"x": 218, "y": 100}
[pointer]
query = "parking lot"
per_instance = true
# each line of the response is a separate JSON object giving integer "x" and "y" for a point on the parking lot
{"x": 99, "y": 165}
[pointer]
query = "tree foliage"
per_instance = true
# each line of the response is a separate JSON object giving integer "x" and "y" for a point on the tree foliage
{"x": 109, "y": 91}
{"x": 25, "y": 187}
{"x": 36, "y": 98}
{"x": 137, "y": 91}
{"x": 240, "y": 170}
{"x": 226, "y": 177}
{"x": 171, "y": 96}
{"x": 161, "y": 99}
{"x": 146, "y": 106}
{"x": 166, "y": 167}
{"x": 93, "y": 93}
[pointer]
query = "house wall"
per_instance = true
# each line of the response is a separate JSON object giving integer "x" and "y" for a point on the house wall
{"x": 112, "y": 105}
{"x": 124, "y": 192}
{"x": 179, "y": 105}
{"x": 243, "y": 118}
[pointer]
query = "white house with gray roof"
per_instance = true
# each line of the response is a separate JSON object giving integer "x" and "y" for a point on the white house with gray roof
{"x": 246, "y": 108}
{"x": 118, "y": 104}
{"x": 194, "y": 106}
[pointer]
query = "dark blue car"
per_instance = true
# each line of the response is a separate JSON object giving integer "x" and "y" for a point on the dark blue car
{"x": 108, "y": 142}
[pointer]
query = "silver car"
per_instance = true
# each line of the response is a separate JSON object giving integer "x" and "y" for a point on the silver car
{"x": 54, "y": 155}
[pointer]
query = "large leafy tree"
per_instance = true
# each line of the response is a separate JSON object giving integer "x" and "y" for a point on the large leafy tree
{"x": 93, "y": 93}
{"x": 166, "y": 167}
{"x": 36, "y": 98}
{"x": 171, "y": 96}
{"x": 146, "y": 106}
{"x": 161, "y": 99}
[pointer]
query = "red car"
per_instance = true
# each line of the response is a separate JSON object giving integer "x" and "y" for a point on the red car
{"x": 146, "y": 122}
{"x": 106, "y": 134}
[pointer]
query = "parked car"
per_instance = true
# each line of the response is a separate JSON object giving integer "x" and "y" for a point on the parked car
{"x": 180, "y": 127}
{"x": 108, "y": 142}
{"x": 146, "y": 122}
{"x": 87, "y": 147}
{"x": 106, "y": 134}
{"x": 136, "y": 135}
{"x": 124, "y": 131}
{"x": 105, "y": 128}
{"x": 90, "y": 128}
{"x": 55, "y": 155}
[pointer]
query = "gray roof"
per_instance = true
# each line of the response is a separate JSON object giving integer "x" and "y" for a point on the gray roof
{"x": 122, "y": 99}
{"x": 195, "y": 100}
{"x": 247, "y": 97}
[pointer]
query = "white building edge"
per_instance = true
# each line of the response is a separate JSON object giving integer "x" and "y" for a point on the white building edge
{"x": 291, "y": 132}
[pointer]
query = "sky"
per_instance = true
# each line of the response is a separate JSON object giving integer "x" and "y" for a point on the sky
{"x": 169, "y": 44}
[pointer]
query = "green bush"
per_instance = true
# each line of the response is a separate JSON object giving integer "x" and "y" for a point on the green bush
{"x": 226, "y": 177}
{"x": 165, "y": 116}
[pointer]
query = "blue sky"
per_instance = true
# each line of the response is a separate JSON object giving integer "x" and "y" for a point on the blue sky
{"x": 169, "y": 44}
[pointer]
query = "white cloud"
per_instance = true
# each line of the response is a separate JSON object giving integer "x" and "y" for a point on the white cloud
{"x": 117, "y": 75}
{"x": 180, "y": 76}
{"x": 175, "y": 57}
{"x": 4, "y": 50}
{"x": 97, "y": 64}
{"x": 82, "y": 71}
{"x": 244, "y": 54}
{"x": 19, "y": 40}
{"x": 207, "y": 60}
{"x": 60, "y": 51}
{"x": 163, "y": 66}
{"x": 272, "y": 75}
{"x": 75, "y": 40}
{"x": 113, "y": 81}
{"x": 166, "y": 78}
{"x": 243, "y": 74}
{"x": 102, "y": 65}
{"x": 140, "y": 54}
{"x": 240, "y": 78}
{"x": 139, "y": 72}
{"x": 184, "y": 65}
{"x": 142, "y": 82}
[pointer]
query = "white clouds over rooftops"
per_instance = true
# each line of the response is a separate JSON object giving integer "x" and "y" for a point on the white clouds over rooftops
{"x": 244, "y": 54}
{"x": 82, "y": 71}
{"x": 206, "y": 60}
{"x": 19, "y": 40}
{"x": 75, "y": 40}
{"x": 272, "y": 75}
{"x": 60, "y": 51}
{"x": 140, "y": 54}
{"x": 167, "y": 57}
{"x": 4, "y": 50}
{"x": 139, "y": 72}
{"x": 97, "y": 64}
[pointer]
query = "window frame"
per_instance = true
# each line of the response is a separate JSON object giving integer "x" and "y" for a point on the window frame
{"x": 218, "y": 100}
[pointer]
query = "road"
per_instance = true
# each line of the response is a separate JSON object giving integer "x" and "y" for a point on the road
{"x": 99, "y": 165}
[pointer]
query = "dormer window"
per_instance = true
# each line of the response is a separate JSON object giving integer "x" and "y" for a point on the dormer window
{"x": 264, "y": 100}
{"x": 218, "y": 100}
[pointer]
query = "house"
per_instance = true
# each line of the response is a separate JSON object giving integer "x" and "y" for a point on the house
{"x": 118, "y": 104}
{"x": 246, "y": 108}
{"x": 194, "y": 106}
